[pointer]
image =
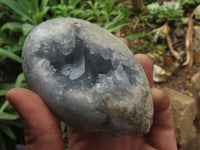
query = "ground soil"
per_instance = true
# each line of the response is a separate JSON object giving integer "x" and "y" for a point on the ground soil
{"x": 181, "y": 80}
{"x": 181, "y": 77}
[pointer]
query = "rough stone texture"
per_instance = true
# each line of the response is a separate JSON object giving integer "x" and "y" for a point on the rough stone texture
{"x": 195, "y": 144}
{"x": 184, "y": 113}
{"x": 88, "y": 77}
{"x": 196, "y": 83}
{"x": 196, "y": 86}
{"x": 159, "y": 74}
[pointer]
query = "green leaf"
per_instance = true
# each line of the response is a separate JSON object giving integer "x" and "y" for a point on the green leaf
{"x": 16, "y": 48}
{"x": 7, "y": 130}
{"x": 26, "y": 28}
{"x": 16, "y": 7}
{"x": 37, "y": 17}
{"x": 119, "y": 27}
{"x": 10, "y": 55}
{"x": 7, "y": 116}
{"x": 21, "y": 40}
{"x": 1, "y": 15}
{"x": 114, "y": 22}
{"x": 185, "y": 20}
{"x": 7, "y": 86}
{"x": 11, "y": 26}
{"x": 3, "y": 92}
{"x": 4, "y": 106}
{"x": 2, "y": 58}
{"x": 74, "y": 2}
{"x": 34, "y": 5}
{"x": 20, "y": 80}
{"x": 53, "y": 2}
{"x": 43, "y": 5}
{"x": 63, "y": 126}
{"x": 2, "y": 142}
{"x": 135, "y": 36}
{"x": 16, "y": 123}
{"x": 8, "y": 41}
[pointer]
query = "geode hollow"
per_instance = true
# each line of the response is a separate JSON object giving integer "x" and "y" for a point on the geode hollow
{"x": 88, "y": 77}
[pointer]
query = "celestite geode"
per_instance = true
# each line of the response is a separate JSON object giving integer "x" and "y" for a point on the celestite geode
{"x": 88, "y": 77}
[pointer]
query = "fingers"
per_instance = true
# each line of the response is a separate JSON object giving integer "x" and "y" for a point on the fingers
{"x": 147, "y": 66}
{"x": 162, "y": 109}
{"x": 124, "y": 41}
{"x": 161, "y": 100}
{"x": 42, "y": 129}
{"x": 163, "y": 127}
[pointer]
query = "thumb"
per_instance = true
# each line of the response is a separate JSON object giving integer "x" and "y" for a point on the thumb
{"x": 42, "y": 129}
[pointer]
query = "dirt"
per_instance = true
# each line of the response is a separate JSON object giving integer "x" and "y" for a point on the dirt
{"x": 181, "y": 76}
{"x": 181, "y": 80}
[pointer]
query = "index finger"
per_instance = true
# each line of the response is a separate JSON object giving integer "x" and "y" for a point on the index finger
{"x": 147, "y": 66}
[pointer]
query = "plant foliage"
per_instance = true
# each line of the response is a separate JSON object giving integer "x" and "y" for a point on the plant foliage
{"x": 19, "y": 17}
{"x": 168, "y": 12}
{"x": 9, "y": 119}
{"x": 197, "y": 14}
{"x": 188, "y": 3}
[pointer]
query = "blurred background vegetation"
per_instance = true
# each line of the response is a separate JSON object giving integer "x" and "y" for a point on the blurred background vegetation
{"x": 19, "y": 17}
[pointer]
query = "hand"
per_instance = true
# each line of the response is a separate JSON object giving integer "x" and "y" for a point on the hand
{"x": 42, "y": 129}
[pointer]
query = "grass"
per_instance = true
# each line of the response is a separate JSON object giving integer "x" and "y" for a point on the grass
{"x": 159, "y": 14}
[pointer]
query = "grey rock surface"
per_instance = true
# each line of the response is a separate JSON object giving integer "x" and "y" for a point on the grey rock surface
{"x": 88, "y": 77}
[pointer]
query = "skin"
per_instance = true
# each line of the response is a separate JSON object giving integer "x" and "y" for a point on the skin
{"x": 42, "y": 128}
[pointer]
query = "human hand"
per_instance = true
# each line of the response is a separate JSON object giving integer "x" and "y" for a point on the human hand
{"x": 42, "y": 129}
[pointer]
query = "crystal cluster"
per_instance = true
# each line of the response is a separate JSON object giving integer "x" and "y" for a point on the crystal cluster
{"x": 88, "y": 77}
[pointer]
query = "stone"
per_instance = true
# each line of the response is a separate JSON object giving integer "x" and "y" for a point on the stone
{"x": 159, "y": 74}
{"x": 195, "y": 144}
{"x": 88, "y": 77}
{"x": 196, "y": 83}
{"x": 184, "y": 112}
{"x": 195, "y": 79}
